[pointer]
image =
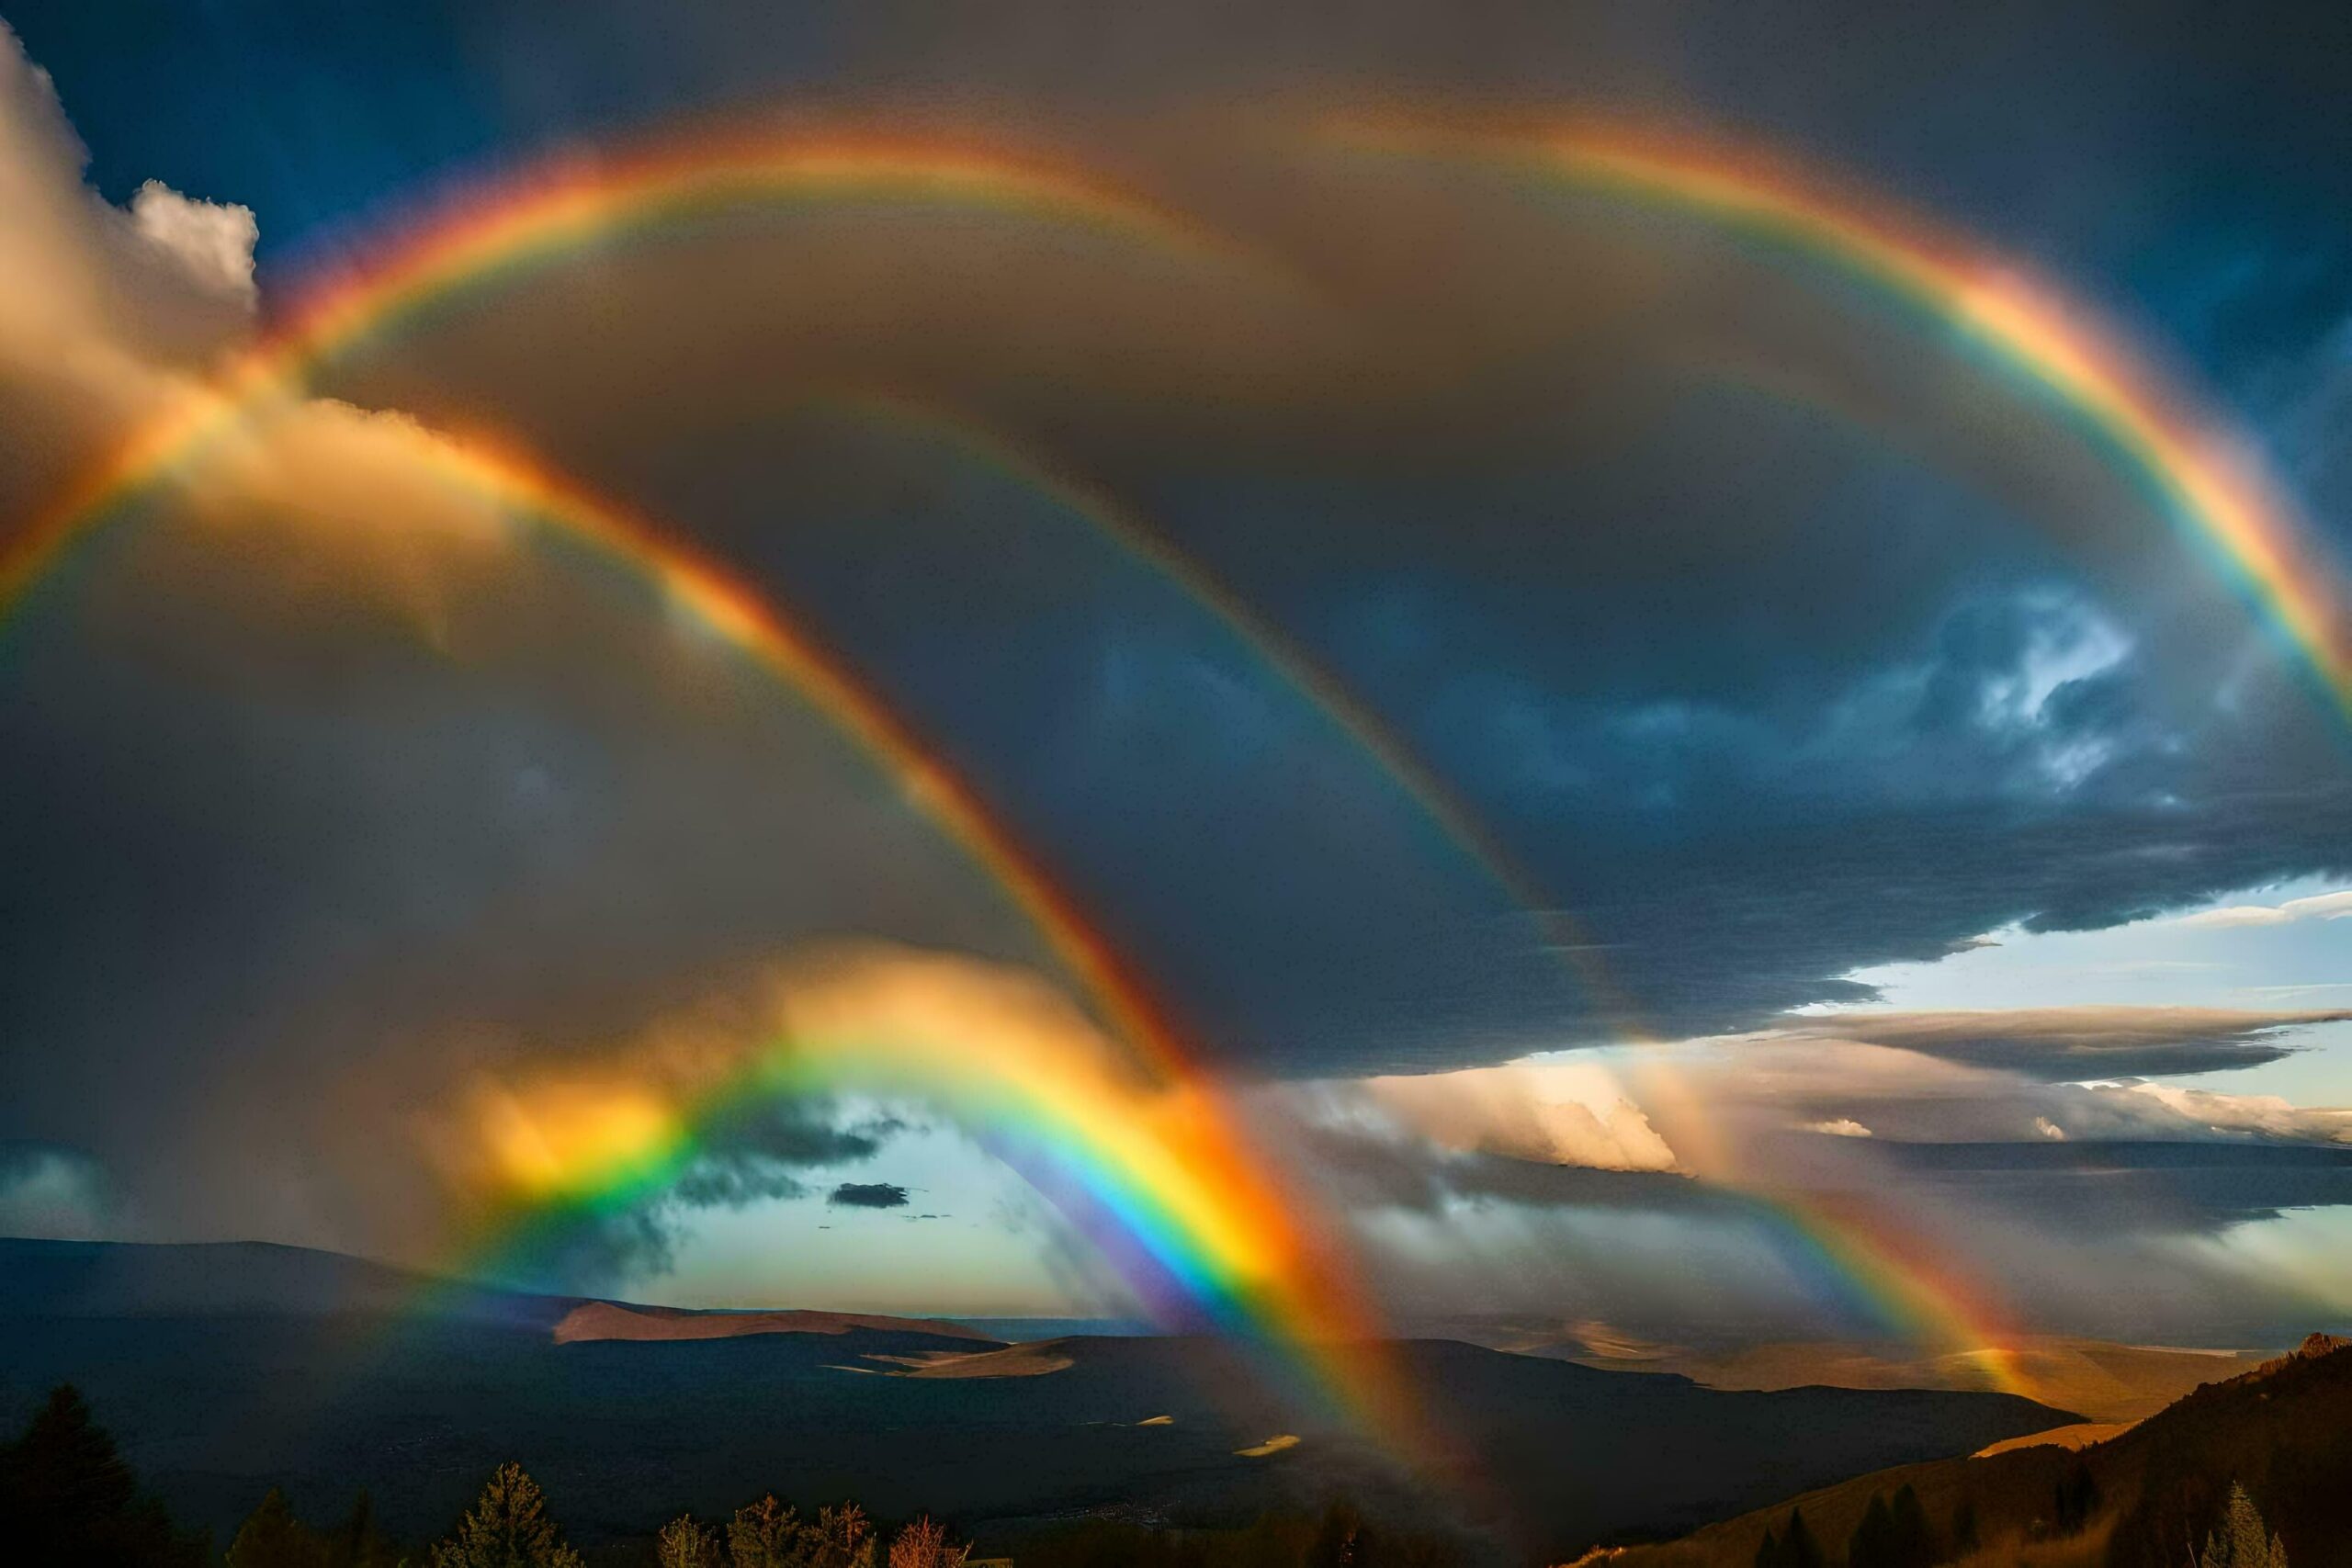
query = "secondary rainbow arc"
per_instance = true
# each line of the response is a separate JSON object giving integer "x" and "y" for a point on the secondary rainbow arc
{"x": 2206, "y": 478}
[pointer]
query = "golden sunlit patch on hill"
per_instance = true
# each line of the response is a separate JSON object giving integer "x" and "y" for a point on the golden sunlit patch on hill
{"x": 1012, "y": 1361}
{"x": 1278, "y": 1443}
{"x": 593, "y": 1320}
{"x": 2106, "y": 1383}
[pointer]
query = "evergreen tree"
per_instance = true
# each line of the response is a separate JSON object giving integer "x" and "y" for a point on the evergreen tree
{"x": 2077, "y": 1499}
{"x": 765, "y": 1534}
{"x": 1798, "y": 1548}
{"x": 844, "y": 1537}
{"x": 1915, "y": 1537}
{"x": 66, "y": 1496}
{"x": 272, "y": 1537}
{"x": 2240, "y": 1541}
{"x": 1768, "y": 1551}
{"x": 507, "y": 1528}
{"x": 924, "y": 1544}
{"x": 1872, "y": 1544}
{"x": 685, "y": 1543}
{"x": 1963, "y": 1527}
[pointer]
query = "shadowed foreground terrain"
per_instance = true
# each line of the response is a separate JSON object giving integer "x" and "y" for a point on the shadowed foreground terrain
{"x": 224, "y": 1371}
{"x": 2141, "y": 1499}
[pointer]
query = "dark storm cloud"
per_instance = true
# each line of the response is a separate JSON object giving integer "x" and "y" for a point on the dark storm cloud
{"x": 1372, "y": 1170}
{"x": 2068, "y": 1044}
{"x": 754, "y": 1154}
{"x": 1903, "y": 661}
{"x": 868, "y": 1195}
{"x": 2138, "y": 1188}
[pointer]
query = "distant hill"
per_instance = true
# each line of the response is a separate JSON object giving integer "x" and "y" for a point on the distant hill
{"x": 97, "y": 1278}
{"x": 2107, "y": 1383}
{"x": 325, "y": 1374}
{"x": 2284, "y": 1430}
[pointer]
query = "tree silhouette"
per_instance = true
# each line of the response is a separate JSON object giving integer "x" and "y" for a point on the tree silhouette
{"x": 1914, "y": 1538}
{"x": 765, "y": 1534}
{"x": 272, "y": 1537}
{"x": 1872, "y": 1544}
{"x": 1963, "y": 1527}
{"x": 66, "y": 1496}
{"x": 843, "y": 1539}
{"x": 2240, "y": 1541}
{"x": 685, "y": 1543}
{"x": 507, "y": 1528}
{"x": 924, "y": 1544}
{"x": 2077, "y": 1499}
{"x": 1798, "y": 1548}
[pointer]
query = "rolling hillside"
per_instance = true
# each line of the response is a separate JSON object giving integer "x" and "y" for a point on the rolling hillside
{"x": 2283, "y": 1430}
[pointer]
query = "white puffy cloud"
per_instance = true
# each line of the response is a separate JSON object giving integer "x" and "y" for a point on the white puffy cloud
{"x": 212, "y": 241}
{"x": 1554, "y": 1112}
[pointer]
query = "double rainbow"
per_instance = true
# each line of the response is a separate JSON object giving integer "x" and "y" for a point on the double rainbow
{"x": 1187, "y": 1196}
{"x": 1195, "y": 1201}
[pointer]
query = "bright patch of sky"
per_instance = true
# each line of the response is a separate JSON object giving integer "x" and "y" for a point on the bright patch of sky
{"x": 972, "y": 1238}
{"x": 2286, "y": 947}
{"x": 2310, "y": 1249}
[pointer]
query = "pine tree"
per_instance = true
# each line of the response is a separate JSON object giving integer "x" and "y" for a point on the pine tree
{"x": 1915, "y": 1537}
{"x": 1963, "y": 1527}
{"x": 66, "y": 1496}
{"x": 844, "y": 1538}
{"x": 924, "y": 1544}
{"x": 508, "y": 1527}
{"x": 1798, "y": 1548}
{"x": 685, "y": 1543}
{"x": 2077, "y": 1499}
{"x": 1872, "y": 1542}
{"x": 1769, "y": 1552}
{"x": 272, "y": 1537}
{"x": 2240, "y": 1541}
{"x": 765, "y": 1534}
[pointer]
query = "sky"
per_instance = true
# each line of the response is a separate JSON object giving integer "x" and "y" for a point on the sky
{"x": 1616, "y": 743}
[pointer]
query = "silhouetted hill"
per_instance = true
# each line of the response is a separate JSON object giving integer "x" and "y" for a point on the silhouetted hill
{"x": 95, "y": 1279}
{"x": 216, "y": 1397}
{"x": 2284, "y": 1430}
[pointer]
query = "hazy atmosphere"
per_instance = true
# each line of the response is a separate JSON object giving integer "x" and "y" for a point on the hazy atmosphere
{"x": 1676, "y": 672}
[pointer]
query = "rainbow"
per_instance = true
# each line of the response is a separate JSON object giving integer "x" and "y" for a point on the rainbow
{"x": 1193, "y": 1198}
{"x": 493, "y": 232}
{"x": 1148, "y": 1171}
{"x": 1906, "y": 1287}
{"x": 1287, "y": 1281}
{"x": 1847, "y": 1244}
{"x": 2207, "y": 482}
{"x": 1144, "y": 542}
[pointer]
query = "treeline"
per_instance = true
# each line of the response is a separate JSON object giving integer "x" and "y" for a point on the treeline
{"x": 509, "y": 1526}
{"x": 68, "y": 1498}
{"x": 1338, "y": 1538}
